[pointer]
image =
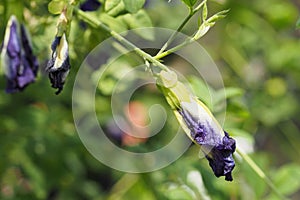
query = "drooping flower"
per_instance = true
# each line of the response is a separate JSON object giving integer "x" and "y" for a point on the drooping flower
{"x": 58, "y": 66}
{"x": 199, "y": 124}
{"x": 205, "y": 131}
{"x": 90, "y": 5}
{"x": 19, "y": 63}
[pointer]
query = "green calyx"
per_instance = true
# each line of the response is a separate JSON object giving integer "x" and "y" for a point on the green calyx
{"x": 175, "y": 92}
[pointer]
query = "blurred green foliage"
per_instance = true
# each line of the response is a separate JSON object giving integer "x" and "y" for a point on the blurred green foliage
{"x": 256, "y": 48}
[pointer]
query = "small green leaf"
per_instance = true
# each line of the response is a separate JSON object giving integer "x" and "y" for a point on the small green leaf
{"x": 133, "y": 6}
{"x": 140, "y": 20}
{"x": 217, "y": 16}
{"x": 110, "y": 4}
{"x": 231, "y": 92}
{"x": 114, "y": 7}
{"x": 114, "y": 23}
{"x": 56, "y": 6}
{"x": 206, "y": 25}
{"x": 190, "y": 3}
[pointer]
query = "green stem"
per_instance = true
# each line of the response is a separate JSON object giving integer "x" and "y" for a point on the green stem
{"x": 192, "y": 12}
{"x": 174, "y": 49}
{"x": 174, "y": 34}
{"x": 260, "y": 173}
{"x": 122, "y": 186}
{"x": 98, "y": 24}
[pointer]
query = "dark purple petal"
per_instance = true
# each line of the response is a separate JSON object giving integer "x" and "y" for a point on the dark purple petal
{"x": 58, "y": 77}
{"x": 13, "y": 46}
{"x": 220, "y": 158}
{"x": 203, "y": 134}
{"x": 13, "y": 50}
{"x": 90, "y": 5}
{"x": 25, "y": 74}
{"x": 55, "y": 43}
{"x": 23, "y": 77}
{"x": 29, "y": 56}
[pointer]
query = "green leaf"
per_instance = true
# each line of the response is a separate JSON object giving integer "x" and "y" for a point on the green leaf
{"x": 220, "y": 15}
{"x": 140, "y": 20}
{"x": 114, "y": 7}
{"x": 190, "y": 3}
{"x": 133, "y": 6}
{"x": 110, "y": 4}
{"x": 233, "y": 92}
{"x": 56, "y": 6}
{"x": 114, "y": 23}
{"x": 287, "y": 179}
{"x": 227, "y": 93}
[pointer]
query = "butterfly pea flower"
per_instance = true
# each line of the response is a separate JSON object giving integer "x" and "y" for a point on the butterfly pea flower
{"x": 199, "y": 124}
{"x": 17, "y": 58}
{"x": 58, "y": 66}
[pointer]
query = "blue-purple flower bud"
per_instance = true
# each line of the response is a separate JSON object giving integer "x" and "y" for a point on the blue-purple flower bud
{"x": 19, "y": 63}
{"x": 58, "y": 66}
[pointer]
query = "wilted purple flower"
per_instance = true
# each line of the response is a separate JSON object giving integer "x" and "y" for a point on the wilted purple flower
{"x": 20, "y": 65}
{"x": 199, "y": 124}
{"x": 58, "y": 66}
{"x": 218, "y": 147}
{"x": 220, "y": 158}
{"x": 90, "y": 5}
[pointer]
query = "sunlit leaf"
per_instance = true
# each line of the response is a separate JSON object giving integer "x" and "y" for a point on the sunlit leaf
{"x": 114, "y": 7}
{"x": 133, "y": 5}
{"x": 114, "y": 23}
{"x": 140, "y": 20}
{"x": 56, "y": 6}
{"x": 190, "y": 3}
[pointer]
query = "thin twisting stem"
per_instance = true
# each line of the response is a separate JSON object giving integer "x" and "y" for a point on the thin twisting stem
{"x": 192, "y": 12}
{"x": 98, "y": 24}
{"x": 176, "y": 32}
{"x": 260, "y": 173}
{"x": 174, "y": 49}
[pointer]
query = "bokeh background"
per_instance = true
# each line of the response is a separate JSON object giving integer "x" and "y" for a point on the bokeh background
{"x": 257, "y": 50}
